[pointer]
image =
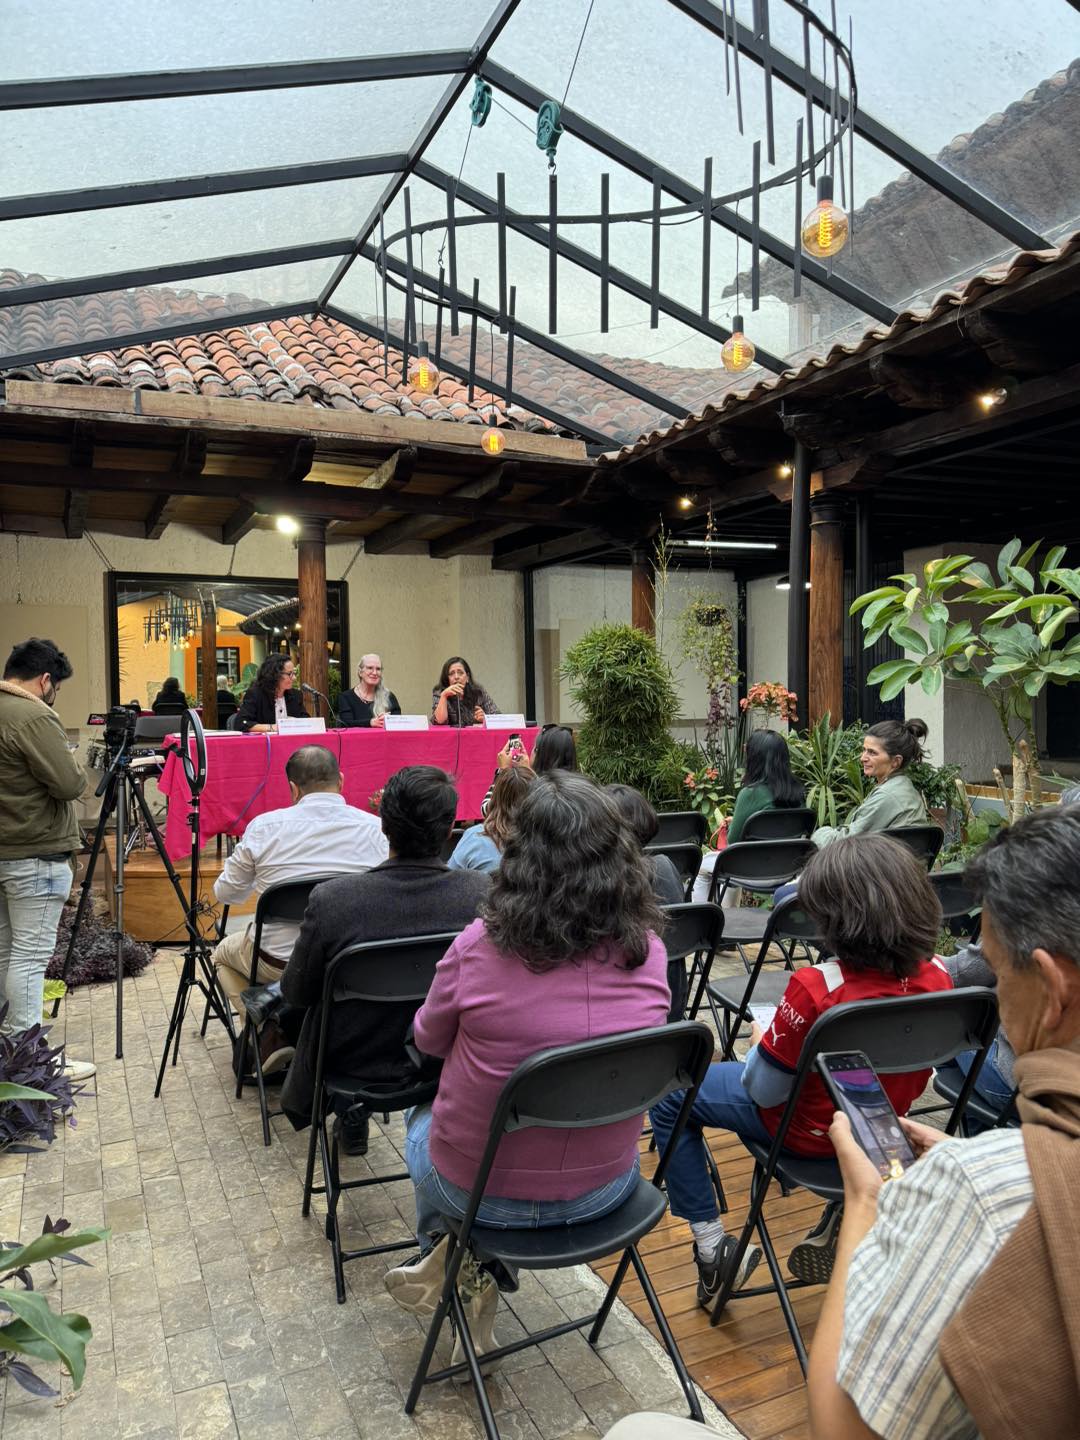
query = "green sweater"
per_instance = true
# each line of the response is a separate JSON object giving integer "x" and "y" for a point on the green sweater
{"x": 750, "y": 799}
{"x": 39, "y": 779}
{"x": 893, "y": 803}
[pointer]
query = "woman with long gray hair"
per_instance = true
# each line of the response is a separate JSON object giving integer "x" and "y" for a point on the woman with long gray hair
{"x": 369, "y": 701}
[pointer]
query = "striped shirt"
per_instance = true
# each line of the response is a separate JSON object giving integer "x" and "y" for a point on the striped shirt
{"x": 936, "y": 1231}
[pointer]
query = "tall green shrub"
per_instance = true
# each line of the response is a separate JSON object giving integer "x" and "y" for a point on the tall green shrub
{"x": 625, "y": 687}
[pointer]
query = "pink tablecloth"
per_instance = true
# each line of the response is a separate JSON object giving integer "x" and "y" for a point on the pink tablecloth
{"x": 245, "y": 774}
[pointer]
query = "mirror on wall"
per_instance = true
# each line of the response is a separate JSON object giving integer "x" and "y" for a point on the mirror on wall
{"x": 155, "y": 630}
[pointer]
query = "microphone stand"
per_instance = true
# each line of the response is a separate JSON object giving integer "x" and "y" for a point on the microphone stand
{"x": 335, "y": 720}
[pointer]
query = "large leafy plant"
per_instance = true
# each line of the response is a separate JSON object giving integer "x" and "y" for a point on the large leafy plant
{"x": 31, "y": 1327}
{"x": 826, "y": 760}
{"x": 1010, "y": 654}
{"x": 35, "y": 1093}
{"x": 625, "y": 687}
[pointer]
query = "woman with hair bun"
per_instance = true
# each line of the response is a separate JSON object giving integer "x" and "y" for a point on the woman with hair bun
{"x": 888, "y": 749}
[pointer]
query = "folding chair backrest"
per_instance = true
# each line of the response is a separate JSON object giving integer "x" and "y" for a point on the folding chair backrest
{"x": 789, "y": 921}
{"x": 953, "y": 892}
{"x": 793, "y": 824}
{"x": 385, "y": 972}
{"x": 924, "y": 841}
{"x": 686, "y": 859}
{"x": 599, "y": 1082}
{"x": 452, "y": 841}
{"x": 286, "y": 902}
{"x": 762, "y": 862}
{"x": 692, "y": 927}
{"x": 681, "y": 827}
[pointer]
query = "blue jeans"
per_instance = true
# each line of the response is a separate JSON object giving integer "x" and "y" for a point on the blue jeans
{"x": 32, "y": 895}
{"x": 990, "y": 1085}
{"x": 436, "y": 1196}
{"x": 722, "y": 1104}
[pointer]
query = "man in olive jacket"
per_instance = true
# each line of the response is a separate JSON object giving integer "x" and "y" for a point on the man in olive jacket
{"x": 39, "y": 834}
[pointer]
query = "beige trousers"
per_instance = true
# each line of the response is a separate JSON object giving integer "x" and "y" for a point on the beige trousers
{"x": 232, "y": 960}
{"x": 652, "y": 1426}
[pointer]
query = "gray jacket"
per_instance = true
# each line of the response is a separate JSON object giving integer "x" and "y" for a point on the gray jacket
{"x": 969, "y": 966}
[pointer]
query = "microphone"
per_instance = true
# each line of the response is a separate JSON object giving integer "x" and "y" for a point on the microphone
{"x": 310, "y": 690}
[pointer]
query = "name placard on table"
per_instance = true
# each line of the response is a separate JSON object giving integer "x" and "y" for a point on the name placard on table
{"x": 301, "y": 725}
{"x": 504, "y": 722}
{"x": 405, "y": 722}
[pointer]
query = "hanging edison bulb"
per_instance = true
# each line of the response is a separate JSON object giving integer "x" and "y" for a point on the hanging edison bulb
{"x": 825, "y": 229}
{"x": 493, "y": 441}
{"x": 423, "y": 372}
{"x": 737, "y": 352}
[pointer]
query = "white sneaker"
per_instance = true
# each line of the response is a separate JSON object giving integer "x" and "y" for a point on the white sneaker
{"x": 79, "y": 1069}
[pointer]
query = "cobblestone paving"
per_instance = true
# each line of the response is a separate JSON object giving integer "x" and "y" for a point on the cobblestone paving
{"x": 213, "y": 1303}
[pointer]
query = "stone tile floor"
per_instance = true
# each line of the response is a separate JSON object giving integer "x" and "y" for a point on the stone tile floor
{"x": 212, "y": 1303}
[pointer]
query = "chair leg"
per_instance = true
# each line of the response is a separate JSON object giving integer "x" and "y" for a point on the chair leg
{"x": 757, "y": 1200}
{"x": 332, "y": 1181}
{"x": 717, "y": 1183}
{"x": 782, "y": 1292}
{"x": 670, "y": 1344}
{"x": 241, "y": 1057}
{"x": 309, "y": 1173}
{"x": 453, "y": 1265}
{"x": 461, "y": 1322}
{"x": 263, "y": 1107}
{"x": 205, "y": 1018}
{"x": 609, "y": 1298}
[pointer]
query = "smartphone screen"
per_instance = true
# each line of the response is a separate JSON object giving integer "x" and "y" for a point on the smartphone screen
{"x": 857, "y": 1091}
{"x": 514, "y": 744}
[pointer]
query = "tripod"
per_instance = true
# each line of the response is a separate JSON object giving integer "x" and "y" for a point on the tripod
{"x": 197, "y": 951}
{"x": 121, "y": 795}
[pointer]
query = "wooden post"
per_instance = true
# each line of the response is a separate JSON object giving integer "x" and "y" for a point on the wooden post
{"x": 311, "y": 577}
{"x": 826, "y": 609}
{"x": 642, "y": 591}
{"x": 209, "y": 660}
{"x": 864, "y": 700}
{"x": 798, "y": 574}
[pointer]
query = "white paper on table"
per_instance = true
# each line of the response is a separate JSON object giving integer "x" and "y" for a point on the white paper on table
{"x": 301, "y": 725}
{"x": 505, "y": 722}
{"x": 763, "y": 1015}
{"x": 405, "y": 722}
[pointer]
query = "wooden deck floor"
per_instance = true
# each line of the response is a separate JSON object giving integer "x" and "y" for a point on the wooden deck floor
{"x": 746, "y": 1363}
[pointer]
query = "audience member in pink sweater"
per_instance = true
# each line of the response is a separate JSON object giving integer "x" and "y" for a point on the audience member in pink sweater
{"x": 566, "y": 950}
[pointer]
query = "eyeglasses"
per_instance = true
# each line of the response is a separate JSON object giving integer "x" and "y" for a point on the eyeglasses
{"x": 288, "y": 672}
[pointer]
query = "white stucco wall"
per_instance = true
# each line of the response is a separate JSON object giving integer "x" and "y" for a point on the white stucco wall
{"x": 411, "y": 609}
{"x": 766, "y": 632}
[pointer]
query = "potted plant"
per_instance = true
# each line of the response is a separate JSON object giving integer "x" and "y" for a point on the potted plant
{"x": 772, "y": 699}
{"x": 625, "y": 687}
{"x": 1011, "y": 654}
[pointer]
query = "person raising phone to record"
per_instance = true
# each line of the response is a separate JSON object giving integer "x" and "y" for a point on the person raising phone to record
{"x": 880, "y": 918}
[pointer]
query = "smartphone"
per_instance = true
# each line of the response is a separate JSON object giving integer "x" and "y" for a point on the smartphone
{"x": 858, "y": 1093}
{"x": 514, "y": 745}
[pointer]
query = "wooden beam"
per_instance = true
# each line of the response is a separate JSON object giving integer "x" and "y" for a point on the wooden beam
{"x": 745, "y": 447}
{"x": 917, "y": 384}
{"x": 208, "y": 667}
{"x": 642, "y": 591}
{"x": 499, "y": 481}
{"x": 311, "y": 582}
{"x": 798, "y": 574}
{"x": 81, "y": 449}
{"x": 549, "y": 552}
{"x": 394, "y": 473}
{"x": 297, "y": 461}
{"x": 826, "y": 647}
{"x": 242, "y": 520}
{"x": 161, "y": 514}
{"x": 470, "y": 537}
{"x": 1013, "y": 345}
{"x": 76, "y": 506}
{"x": 191, "y": 457}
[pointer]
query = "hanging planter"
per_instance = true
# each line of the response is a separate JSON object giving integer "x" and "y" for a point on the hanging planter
{"x": 707, "y": 615}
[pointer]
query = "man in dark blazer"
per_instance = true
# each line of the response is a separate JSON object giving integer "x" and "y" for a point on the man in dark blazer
{"x": 412, "y": 893}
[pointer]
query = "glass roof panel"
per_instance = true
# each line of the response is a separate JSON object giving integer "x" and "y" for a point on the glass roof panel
{"x": 130, "y": 36}
{"x": 92, "y": 319}
{"x": 133, "y": 141}
{"x": 106, "y": 241}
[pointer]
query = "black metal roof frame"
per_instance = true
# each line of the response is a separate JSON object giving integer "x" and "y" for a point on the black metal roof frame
{"x": 460, "y": 66}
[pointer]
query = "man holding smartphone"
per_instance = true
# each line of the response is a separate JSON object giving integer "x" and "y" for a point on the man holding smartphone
{"x": 954, "y": 1305}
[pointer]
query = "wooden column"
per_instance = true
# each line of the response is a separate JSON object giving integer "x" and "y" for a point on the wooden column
{"x": 528, "y": 610}
{"x": 864, "y": 571}
{"x": 642, "y": 591}
{"x": 798, "y": 574}
{"x": 826, "y": 609}
{"x": 311, "y": 577}
{"x": 209, "y": 661}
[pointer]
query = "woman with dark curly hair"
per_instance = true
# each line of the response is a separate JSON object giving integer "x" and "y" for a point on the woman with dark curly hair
{"x": 457, "y": 699}
{"x": 567, "y": 950}
{"x": 270, "y": 696}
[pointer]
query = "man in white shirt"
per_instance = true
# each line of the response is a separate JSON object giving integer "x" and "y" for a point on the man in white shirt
{"x": 318, "y": 834}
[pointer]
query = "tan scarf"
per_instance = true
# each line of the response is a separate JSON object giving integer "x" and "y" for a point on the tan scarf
{"x": 1013, "y": 1348}
{"x": 9, "y": 688}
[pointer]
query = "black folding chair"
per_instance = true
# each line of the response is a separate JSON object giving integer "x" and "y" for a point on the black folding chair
{"x": 797, "y": 823}
{"x": 687, "y": 861}
{"x": 898, "y": 1033}
{"x": 959, "y": 907}
{"x": 949, "y": 1081}
{"x": 380, "y": 972}
{"x": 682, "y": 827}
{"x": 453, "y": 840}
{"x": 924, "y": 841}
{"x": 735, "y": 994}
{"x": 760, "y": 866}
{"x": 574, "y": 1087}
{"x": 284, "y": 903}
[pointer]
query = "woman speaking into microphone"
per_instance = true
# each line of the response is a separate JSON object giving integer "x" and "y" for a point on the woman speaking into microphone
{"x": 457, "y": 699}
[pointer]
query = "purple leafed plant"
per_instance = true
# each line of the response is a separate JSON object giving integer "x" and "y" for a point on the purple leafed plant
{"x": 26, "y": 1058}
{"x": 95, "y": 952}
